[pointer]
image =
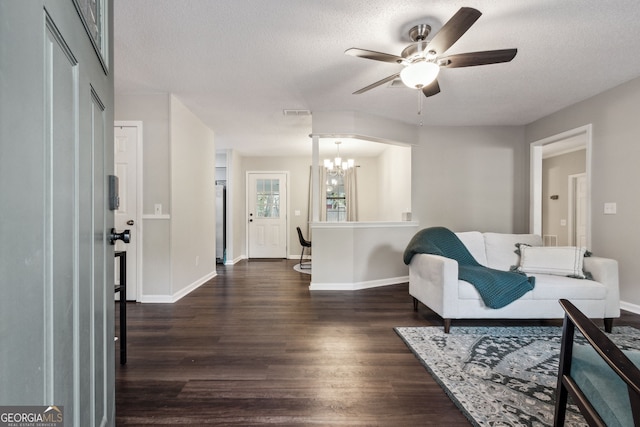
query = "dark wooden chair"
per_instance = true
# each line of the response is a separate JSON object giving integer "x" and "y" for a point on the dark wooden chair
{"x": 305, "y": 244}
{"x": 602, "y": 380}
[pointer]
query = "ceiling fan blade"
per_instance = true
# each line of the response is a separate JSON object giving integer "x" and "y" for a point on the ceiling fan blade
{"x": 378, "y": 83}
{"x": 376, "y": 56}
{"x": 453, "y": 29}
{"x": 431, "y": 89}
{"x": 472, "y": 59}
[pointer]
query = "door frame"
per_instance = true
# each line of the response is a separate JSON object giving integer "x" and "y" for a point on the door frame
{"x": 247, "y": 192}
{"x": 535, "y": 170}
{"x": 138, "y": 220}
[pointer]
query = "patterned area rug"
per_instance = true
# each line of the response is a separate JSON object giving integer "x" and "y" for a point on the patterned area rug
{"x": 500, "y": 376}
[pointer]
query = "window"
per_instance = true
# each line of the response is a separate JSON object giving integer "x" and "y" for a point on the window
{"x": 336, "y": 200}
{"x": 268, "y": 198}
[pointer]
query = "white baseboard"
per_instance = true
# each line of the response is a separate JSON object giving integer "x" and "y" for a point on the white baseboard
{"x": 358, "y": 285}
{"x": 634, "y": 308}
{"x": 235, "y": 260}
{"x": 170, "y": 299}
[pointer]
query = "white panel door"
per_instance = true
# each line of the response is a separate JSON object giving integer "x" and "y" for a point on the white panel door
{"x": 126, "y": 160}
{"x": 267, "y": 214}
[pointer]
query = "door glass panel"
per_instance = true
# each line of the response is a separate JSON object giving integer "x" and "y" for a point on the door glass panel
{"x": 267, "y": 198}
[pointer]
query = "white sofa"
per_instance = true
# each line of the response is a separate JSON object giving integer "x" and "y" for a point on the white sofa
{"x": 433, "y": 281}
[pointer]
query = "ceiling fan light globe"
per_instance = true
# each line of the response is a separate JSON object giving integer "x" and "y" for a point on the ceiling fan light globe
{"x": 419, "y": 74}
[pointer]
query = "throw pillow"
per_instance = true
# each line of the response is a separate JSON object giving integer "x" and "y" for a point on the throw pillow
{"x": 558, "y": 260}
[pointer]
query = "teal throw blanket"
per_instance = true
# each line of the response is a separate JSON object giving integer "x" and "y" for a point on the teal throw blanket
{"x": 497, "y": 288}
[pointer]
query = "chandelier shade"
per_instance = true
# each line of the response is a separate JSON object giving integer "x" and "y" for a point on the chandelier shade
{"x": 419, "y": 74}
{"x": 338, "y": 166}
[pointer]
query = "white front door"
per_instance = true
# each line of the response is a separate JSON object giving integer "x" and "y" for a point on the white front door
{"x": 267, "y": 214}
{"x": 126, "y": 217}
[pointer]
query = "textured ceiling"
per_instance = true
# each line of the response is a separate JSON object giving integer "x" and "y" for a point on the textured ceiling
{"x": 238, "y": 63}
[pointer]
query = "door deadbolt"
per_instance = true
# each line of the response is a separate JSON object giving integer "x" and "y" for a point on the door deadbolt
{"x": 125, "y": 236}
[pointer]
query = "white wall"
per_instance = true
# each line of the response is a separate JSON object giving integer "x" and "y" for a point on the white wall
{"x": 615, "y": 172}
{"x": 173, "y": 137}
{"x": 153, "y": 110}
{"x": 471, "y": 178}
{"x": 369, "y": 195}
{"x": 394, "y": 183}
{"x": 193, "y": 213}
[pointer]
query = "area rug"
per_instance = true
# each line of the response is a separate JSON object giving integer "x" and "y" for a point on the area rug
{"x": 500, "y": 376}
{"x": 305, "y": 270}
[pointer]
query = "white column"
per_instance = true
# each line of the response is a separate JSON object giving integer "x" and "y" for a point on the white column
{"x": 315, "y": 185}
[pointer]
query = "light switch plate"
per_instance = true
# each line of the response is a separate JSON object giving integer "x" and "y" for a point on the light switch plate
{"x": 610, "y": 208}
{"x": 157, "y": 209}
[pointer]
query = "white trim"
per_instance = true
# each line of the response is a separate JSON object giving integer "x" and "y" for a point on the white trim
{"x": 535, "y": 166}
{"x": 372, "y": 224}
{"x": 634, "y": 308}
{"x": 170, "y": 299}
{"x": 358, "y": 285}
{"x": 139, "y": 188}
{"x": 152, "y": 216}
{"x": 235, "y": 260}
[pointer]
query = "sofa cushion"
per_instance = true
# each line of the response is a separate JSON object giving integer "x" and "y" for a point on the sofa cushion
{"x": 501, "y": 248}
{"x": 474, "y": 242}
{"x": 559, "y": 260}
{"x": 551, "y": 287}
{"x": 467, "y": 291}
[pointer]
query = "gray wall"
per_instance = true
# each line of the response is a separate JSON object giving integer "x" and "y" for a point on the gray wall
{"x": 615, "y": 172}
{"x": 471, "y": 178}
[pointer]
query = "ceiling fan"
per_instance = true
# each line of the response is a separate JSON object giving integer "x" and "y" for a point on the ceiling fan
{"x": 422, "y": 59}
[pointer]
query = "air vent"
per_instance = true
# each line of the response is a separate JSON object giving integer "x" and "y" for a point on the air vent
{"x": 296, "y": 112}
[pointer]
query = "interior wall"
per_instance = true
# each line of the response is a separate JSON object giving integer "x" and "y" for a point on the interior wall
{"x": 193, "y": 218}
{"x": 471, "y": 178}
{"x": 394, "y": 183}
{"x": 236, "y": 188}
{"x": 369, "y": 194}
{"x": 555, "y": 181}
{"x": 153, "y": 110}
{"x": 615, "y": 154}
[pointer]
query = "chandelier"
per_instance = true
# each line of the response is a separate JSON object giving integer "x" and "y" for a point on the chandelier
{"x": 337, "y": 166}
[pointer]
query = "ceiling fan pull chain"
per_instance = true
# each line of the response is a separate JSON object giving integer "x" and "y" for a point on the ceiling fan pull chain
{"x": 420, "y": 106}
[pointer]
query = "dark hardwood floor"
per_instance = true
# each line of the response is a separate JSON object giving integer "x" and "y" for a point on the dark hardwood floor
{"x": 254, "y": 346}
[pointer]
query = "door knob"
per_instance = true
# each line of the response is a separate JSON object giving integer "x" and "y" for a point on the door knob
{"x": 125, "y": 236}
{"x": 130, "y": 222}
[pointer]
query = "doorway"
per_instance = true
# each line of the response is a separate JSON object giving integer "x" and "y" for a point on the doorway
{"x": 570, "y": 140}
{"x": 267, "y": 207}
{"x": 128, "y": 216}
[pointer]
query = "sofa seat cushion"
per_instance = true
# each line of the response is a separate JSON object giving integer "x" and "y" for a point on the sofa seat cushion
{"x": 548, "y": 287}
{"x": 551, "y": 287}
{"x": 501, "y": 248}
{"x": 467, "y": 291}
